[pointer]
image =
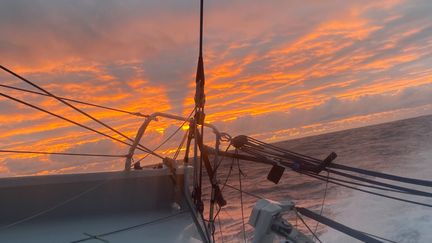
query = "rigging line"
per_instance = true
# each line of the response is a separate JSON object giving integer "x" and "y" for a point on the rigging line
{"x": 228, "y": 214}
{"x": 168, "y": 138}
{"x": 67, "y": 119}
{"x": 405, "y": 190}
{"x": 212, "y": 234}
{"x": 270, "y": 146}
{"x": 323, "y": 201}
{"x": 245, "y": 192}
{"x": 55, "y": 153}
{"x": 95, "y": 237}
{"x": 182, "y": 142}
{"x": 360, "y": 184}
{"x": 278, "y": 157}
{"x": 241, "y": 200}
{"x": 387, "y": 187}
{"x": 225, "y": 184}
{"x": 212, "y": 229}
{"x": 262, "y": 150}
{"x": 258, "y": 155}
{"x": 220, "y": 228}
{"x": 206, "y": 229}
{"x": 284, "y": 150}
{"x": 75, "y": 108}
{"x": 317, "y": 176}
{"x": 217, "y": 213}
{"x": 229, "y": 174}
{"x": 298, "y": 216}
{"x": 378, "y": 237}
{"x": 413, "y": 191}
{"x": 54, "y": 207}
{"x": 132, "y": 227}
{"x": 226, "y": 179}
{"x": 221, "y": 159}
{"x": 386, "y": 176}
{"x": 336, "y": 225}
{"x": 383, "y": 175}
{"x": 307, "y": 226}
{"x": 285, "y": 156}
{"x": 76, "y": 101}
{"x": 373, "y": 193}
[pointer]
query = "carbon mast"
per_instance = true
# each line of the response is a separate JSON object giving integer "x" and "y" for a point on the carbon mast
{"x": 201, "y": 158}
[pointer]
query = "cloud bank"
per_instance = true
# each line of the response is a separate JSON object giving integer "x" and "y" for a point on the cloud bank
{"x": 270, "y": 67}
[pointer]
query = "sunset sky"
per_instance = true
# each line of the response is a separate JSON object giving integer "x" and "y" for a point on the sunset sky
{"x": 275, "y": 70}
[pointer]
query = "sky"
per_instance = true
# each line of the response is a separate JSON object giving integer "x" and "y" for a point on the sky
{"x": 275, "y": 70}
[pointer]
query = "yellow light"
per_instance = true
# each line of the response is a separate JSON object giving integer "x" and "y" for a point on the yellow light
{"x": 160, "y": 130}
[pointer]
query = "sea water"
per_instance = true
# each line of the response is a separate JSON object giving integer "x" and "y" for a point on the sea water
{"x": 402, "y": 148}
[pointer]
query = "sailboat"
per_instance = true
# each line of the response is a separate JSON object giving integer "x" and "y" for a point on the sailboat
{"x": 164, "y": 203}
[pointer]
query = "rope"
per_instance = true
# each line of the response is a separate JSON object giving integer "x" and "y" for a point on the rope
{"x": 229, "y": 174}
{"x": 241, "y": 200}
{"x": 77, "y": 101}
{"x": 131, "y": 227}
{"x": 180, "y": 145}
{"x": 226, "y": 179}
{"x": 75, "y": 108}
{"x": 411, "y": 191}
{"x": 95, "y": 237}
{"x": 285, "y": 151}
{"x": 355, "y": 183}
{"x": 220, "y": 228}
{"x": 225, "y": 184}
{"x": 323, "y": 201}
{"x": 337, "y": 226}
{"x": 220, "y": 161}
{"x": 383, "y": 175}
{"x": 307, "y": 226}
{"x": 256, "y": 144}
{"x": 68, "y": 120}
{"x": 378, "y": 237}
{"x": 55, "y": 153}
{"x": 245, "y": 143}
{"x": 245, "y": 192}
{"x": 374, "y": 193}
{"x": 299, "y": 217}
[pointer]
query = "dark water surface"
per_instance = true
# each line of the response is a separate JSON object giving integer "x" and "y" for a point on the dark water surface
{"x": 402, "y": 147}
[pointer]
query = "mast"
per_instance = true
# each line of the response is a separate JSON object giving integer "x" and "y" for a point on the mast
{"x": 199, "y": 118}
{"x": 198, "y": 132}
{"x": 200, "y": 77}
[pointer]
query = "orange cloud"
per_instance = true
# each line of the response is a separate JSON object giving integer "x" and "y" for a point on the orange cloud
{"x": 257, "y": 65}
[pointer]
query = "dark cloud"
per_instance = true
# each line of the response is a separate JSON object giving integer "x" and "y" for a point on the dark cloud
{"x": 102, "y": 146}
{"x": 332, "y": 109}
{"x": 25, "y": 166}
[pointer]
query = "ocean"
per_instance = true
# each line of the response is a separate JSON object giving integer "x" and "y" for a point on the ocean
{"x": 401, "y": 147}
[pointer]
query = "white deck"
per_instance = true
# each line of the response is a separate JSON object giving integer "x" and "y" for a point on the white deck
{"x": 118, "y": 201}
{"x": 179, "y": 228}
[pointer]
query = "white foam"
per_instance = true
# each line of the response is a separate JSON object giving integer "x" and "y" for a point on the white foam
{"x": 397, "y": 221}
